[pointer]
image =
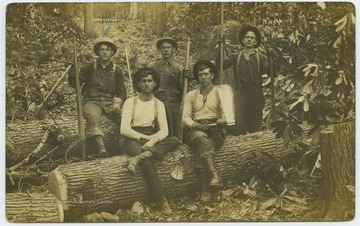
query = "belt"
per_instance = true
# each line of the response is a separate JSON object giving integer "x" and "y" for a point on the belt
{"x": 206, "y": 121}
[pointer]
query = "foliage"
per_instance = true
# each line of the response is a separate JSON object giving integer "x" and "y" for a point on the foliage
{"x": 37, "y": 34}
{"x": 312, "y": 46}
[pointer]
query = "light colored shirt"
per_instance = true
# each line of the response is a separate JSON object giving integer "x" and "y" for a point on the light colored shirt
{"x": 196, "y": 108}
{"x": 143, "y": 117}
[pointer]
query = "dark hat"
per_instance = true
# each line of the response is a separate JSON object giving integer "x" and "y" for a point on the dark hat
{"x": 106, "y": 41}
{"x": 139, "y": 74}
{"x": 248, "y": 28}
{"x": 166, "y": 39}
{"x": 208, "y": 64}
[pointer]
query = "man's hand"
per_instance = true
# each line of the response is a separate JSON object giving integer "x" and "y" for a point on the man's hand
{"x": 117, "y": 104}
{"x": 187, "y": 74}
{"x": 150, "y": 143}
{"x": 221, "y": 122}
{"x": 199, "y": 126}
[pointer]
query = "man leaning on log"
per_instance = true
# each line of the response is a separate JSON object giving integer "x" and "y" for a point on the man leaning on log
{"x": 205, "y": 118}
{"x": 145, "y": 129}
{"x": 103, "y": 91}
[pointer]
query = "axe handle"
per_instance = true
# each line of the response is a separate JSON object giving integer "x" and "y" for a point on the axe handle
{"x": 128, "y": 65}
{"x": 80, "y": 113}
{"x": 57, "y": 84}
{"x": 185, "y": 86}
{"x": 221, "y": 44}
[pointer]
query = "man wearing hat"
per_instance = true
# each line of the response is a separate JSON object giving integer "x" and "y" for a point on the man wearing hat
{"x": 172, "y": 75}
{"x": 103, "y": 91}
{"x": 204, "y": 117}
{"x": 248, "y": 66}
{"x": 145, "y": 129}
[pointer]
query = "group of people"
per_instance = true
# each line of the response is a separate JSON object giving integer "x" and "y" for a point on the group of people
{"x": 151, "y": 121}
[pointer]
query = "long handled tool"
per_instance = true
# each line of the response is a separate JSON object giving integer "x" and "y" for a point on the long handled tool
{"x": 186, "y": 165}
{"x": 37, "y": 109}
{"x": 221, "y": 44}
{"x": 128, "y": 65}
{"x": 185, "y": 85}
{"x": 80, "y": 115}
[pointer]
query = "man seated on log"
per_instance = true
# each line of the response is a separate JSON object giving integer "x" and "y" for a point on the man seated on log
{"x": 145, "y": 129}
{"x": 103, "y": 91}
{"x": 204, "y": 116}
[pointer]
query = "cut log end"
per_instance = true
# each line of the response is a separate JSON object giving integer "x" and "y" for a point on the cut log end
{"x": 58, "y": 186}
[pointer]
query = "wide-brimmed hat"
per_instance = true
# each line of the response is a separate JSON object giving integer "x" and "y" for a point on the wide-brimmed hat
{"x": 139, "y": 74}
{"x": 208, "y": 64}
{"x": 166, "y": 39}
{"x": 106, "y": 41}
{"x": 248, "y": 28}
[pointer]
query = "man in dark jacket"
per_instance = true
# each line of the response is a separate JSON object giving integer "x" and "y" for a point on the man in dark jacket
{"x": 103, "y": 91}
{"x": 248, "y": 66}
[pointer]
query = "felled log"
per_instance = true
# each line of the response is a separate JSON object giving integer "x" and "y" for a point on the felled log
{"x": 33, "y": 208}
{"x": 22, "y": 138}
{"x": 106, "y": 184}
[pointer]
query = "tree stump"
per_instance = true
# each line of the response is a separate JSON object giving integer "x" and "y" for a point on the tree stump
{"x": 107, "y": 185}
{"x": 337, "y": 148}
{"x": 33, "y": 208}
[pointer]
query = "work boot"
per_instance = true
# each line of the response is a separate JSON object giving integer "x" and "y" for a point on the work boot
{"x": 101, "y": 147}
{"x": 215, "y": 180}
{"x": 164, "y": 206}
{"x": 132, "y": 162}
{"x": 205, "y": 194}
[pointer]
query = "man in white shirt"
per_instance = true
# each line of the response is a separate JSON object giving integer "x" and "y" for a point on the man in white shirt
{"x": 145, "y": 129}
{"x": 204, "y": 116}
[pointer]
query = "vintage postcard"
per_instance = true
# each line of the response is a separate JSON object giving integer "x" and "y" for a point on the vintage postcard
{"x": 180, "y": 112}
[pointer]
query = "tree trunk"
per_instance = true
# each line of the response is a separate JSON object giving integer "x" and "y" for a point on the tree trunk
{"x": 107, "y": 185}
{"x": 133, "y": 9}
{"x": 33, "y": 208}
{"x": 337, "y": 150}
{"x": 89, "y": 20}
{"x": 159, "y": 21}
{"x": 337, "y": 146}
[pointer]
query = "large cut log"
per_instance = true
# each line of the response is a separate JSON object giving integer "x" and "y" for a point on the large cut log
{"x": 22, "y": 138}
{"x": 35, "y": 207}
{"x": 106, "y": 184}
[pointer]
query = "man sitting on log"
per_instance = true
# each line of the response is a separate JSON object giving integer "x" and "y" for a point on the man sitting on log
{"x": 204, "y": 116}
{"x": 145, "y": 129}
{"x": 103, "y": 91}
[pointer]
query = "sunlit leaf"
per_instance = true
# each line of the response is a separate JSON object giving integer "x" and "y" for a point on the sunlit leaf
{"x": 340, "y": 27}
{"x": 293, "y": 105}
{"x": 295, "y": 199}
{"x": 306, "y": 106}
{"x": 337, "y": 42}
{"x": 338, "y": 80}
{"x": 270, "y": 202}
{"x": 352, "y": 18}
{"x": 322, "y": 5}
{"x": 341, "y": 20}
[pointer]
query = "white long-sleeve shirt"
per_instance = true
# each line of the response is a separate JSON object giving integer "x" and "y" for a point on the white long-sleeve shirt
{"x": 195, "y": 108}
{"x": 144, "y": 116}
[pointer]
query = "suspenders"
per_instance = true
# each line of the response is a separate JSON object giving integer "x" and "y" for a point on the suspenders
{"x": 156, "y": 112}
{"x": 238, "y": 61}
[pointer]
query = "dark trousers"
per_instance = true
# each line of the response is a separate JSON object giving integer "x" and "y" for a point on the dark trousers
{"x": 173, "y": 114}
{"x": 249, "y": 105}
{"x": 205, "y": 143}
{"x": 133, "y": 148}
{"x": 93, "y": 110}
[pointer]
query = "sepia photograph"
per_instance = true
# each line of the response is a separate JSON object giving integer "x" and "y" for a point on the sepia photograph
{"x": 179, "y": 112}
